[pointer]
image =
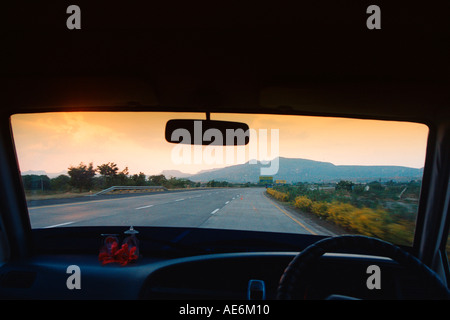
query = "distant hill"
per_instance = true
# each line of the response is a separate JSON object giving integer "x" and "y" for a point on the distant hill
{"x": 43, "y": 173}
{"x": 175, "y": 173}
{"x": 296, "y": 170}
{"x": 178, "y": 174}
{"x": 291, "y": 170}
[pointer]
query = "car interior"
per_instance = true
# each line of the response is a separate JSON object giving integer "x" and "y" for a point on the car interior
{"x": 227, "y": 61}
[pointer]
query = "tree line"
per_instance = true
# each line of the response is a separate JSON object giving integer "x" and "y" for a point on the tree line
{"x": 87, "y": 177}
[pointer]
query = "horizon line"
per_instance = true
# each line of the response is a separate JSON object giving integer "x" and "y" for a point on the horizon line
{"x": 260, "y": 162}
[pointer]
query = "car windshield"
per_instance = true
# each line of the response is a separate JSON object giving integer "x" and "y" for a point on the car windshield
{"x": 298, "y": 174}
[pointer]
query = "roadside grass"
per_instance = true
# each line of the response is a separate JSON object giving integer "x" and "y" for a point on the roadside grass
{"x": 375, "y": 222}
{"x": 45, "y": 195}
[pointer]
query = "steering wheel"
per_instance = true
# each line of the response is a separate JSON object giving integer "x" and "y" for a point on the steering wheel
{"x": 294, "y": 275}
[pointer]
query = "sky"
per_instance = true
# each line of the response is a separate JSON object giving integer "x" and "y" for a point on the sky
{"x": 53, "y": 142}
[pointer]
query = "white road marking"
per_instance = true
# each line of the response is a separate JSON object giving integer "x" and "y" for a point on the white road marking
{"x": 214, "y": 211}
{"x": 59, "y": 225}
{"x": 144, "y": 207}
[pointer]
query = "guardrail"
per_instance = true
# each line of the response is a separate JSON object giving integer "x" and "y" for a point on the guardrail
{"x": 130, "y": 189}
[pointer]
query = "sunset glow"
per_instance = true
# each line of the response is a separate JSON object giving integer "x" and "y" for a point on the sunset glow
{"x": 52, "y": 142}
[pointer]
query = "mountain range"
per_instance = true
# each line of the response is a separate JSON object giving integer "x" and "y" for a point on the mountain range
{"x": 296, "y": 170}
{"x": 292, "y": 170}
{"x": 51, "y": 175}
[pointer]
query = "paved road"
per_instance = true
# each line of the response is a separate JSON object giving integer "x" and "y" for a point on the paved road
{"x": 230, "y": 208}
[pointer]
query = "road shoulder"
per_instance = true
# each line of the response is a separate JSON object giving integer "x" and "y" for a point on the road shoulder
{"x": 321, "y": 226}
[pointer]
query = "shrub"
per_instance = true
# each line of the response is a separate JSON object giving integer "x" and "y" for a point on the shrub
{"x": 303, "y": 203}
{"x": 341, "y": 214}
{"x": 360, "y": 215}
{"x": 401, "y": 233}
{"x": 277, "y": 194}
{"x": 320, "y": 209}
{"x": 369, "y": 222}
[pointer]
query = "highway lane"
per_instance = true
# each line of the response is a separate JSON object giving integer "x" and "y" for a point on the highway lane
{"x": 228, "y": 208}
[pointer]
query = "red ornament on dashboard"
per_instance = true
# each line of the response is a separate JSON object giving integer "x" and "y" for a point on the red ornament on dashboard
{"x": 111, "y": 252}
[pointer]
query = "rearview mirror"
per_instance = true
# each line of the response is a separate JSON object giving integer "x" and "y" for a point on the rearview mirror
{"x": 207, "y": 132}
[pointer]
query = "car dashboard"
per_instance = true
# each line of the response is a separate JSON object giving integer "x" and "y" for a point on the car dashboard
{"x": 222, "y": 275}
